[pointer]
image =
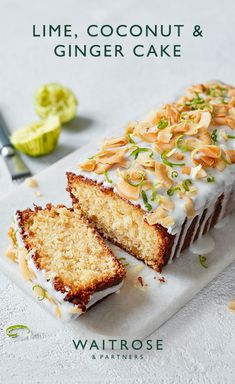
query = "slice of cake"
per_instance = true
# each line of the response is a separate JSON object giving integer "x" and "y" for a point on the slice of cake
{"x": 64, "y": 259}
{"x": 166, "y": 180}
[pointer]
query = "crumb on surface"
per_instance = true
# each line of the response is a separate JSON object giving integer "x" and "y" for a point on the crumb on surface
{"x": 231, "y": 305}
{"x": 31, "y": 183}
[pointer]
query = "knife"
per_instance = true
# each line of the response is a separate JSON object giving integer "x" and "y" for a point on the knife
{"x": 16, "y": 167}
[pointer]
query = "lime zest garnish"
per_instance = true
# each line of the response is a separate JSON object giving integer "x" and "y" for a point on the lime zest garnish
{"x": 14, "y": 327}
{"x": 202, "y": 261}
{"x": 167, "y": 162}
{"x": 130, "y": 139}
{"x": 214, "y": 137}
{"x": 181, "y": 146}
{"x": 210, "y": 179}
{"x": 107, "y": 177}
{"x": 163, "y": 123}
{"x": 127, "y": 179}
{"x": 225, "y": 160}
{"x": 145, "y": 200}
{"x": 138, "y": 150}
{"x": 154, "y": 192}
{"x": 174, "y": 174}
{"x": 43, "y": 295}
{"x": 186, "y": 183}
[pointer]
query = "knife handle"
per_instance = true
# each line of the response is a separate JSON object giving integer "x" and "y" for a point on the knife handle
{"x": 4, "y": 137}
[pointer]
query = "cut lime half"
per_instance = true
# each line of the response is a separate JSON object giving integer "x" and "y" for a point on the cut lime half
{"x": 55, "y": 99}
{"x": 38, "y": 138}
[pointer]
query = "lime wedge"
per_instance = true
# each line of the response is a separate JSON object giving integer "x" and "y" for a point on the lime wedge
{"x": 55, "y": 99}
{"x": 38, "y": 138}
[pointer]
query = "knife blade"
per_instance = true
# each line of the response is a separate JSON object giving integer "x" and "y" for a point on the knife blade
{"x": 16, "y": 166}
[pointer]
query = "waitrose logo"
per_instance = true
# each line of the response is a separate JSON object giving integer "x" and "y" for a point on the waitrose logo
{"x": 122, "y": 344}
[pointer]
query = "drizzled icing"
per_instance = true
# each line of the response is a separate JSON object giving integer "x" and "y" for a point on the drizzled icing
{"x": 208, "y": 103}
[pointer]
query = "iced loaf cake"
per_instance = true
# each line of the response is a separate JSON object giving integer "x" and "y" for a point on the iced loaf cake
{"x": 167, "y": 180}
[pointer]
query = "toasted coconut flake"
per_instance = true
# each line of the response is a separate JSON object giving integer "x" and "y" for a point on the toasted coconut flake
{"x": 162, "y": 147}
{"x": 220, "y": 165}
{"x": 164, "y": 137}
{"x": 27, "y": 274}
{"x": 186, "y": 170}
{"x": 166, "y": 203}
{"x": 154, "y": 217}
{"x": 230, "y": 122}
{"x": 58, "y": 311}
{"x": 161, "y": 172}
{"x": 11, "y": 253}
{"x": 146, "y": 132}
{"x": 113, "y": 143}
{"x": 230, "y": 154}
{"x": 111, "y": 156}
{"x": 145, "y": 160}
{"x": 147, "y": 184}
{"x": 223, "y": 135}
{"x": 167, "y": 222}
{"x": 101, "y": 168}
{"x": 207, "y": 155}
{"x": 171, "y": 113}
{"x": 128, "y": 191}
{"x": 205, "y": 120}
{"x": 88, "y": 165}
{"x": 197, "y": 172}
{"x": 131, "y": 126}
{"x": 189, "y": 207}
{"x": 205, "y": 138}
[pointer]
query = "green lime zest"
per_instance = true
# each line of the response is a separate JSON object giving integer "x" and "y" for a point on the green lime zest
{"x": 167, "y": 162}
{"x": 210, "y": 179}
{"x": 154, "y": 192}
{"x": 130, "y": 139}
{"x": 163, "y": 123}
{"x": 181, "y": 145}
{"x": 139, "y": 150}
{"x": 42, "y": 291}
{"x": 107, "y": 178}
{"x": 225, "y": 160}
{"x": 186, "y": 183}
{"x": 172, "y": 190}
{"x": 145, "y": 200}
{"x": 214, "y": 136}
{"x": 202, "y": 261}
{"x": 16, "y": 327}
{"x": 56, "y": 99}
{"x": 174, "y": 174}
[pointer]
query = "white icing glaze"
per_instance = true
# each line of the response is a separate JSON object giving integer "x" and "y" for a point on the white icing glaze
{"x": 48, "y": 285}
{"x": 204, "y": 245}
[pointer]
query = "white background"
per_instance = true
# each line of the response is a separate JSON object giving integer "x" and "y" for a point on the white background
{"x": 199, "y": 341}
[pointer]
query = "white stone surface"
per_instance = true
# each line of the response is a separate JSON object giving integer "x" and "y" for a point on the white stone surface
{"x": 199, "y": 341}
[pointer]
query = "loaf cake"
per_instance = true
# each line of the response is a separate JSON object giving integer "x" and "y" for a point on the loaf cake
{"x": 166, "y": 180}
{"x": 64, "y": 259}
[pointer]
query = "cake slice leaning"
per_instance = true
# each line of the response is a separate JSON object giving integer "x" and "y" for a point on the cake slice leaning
{"x": 63, "y": 259}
